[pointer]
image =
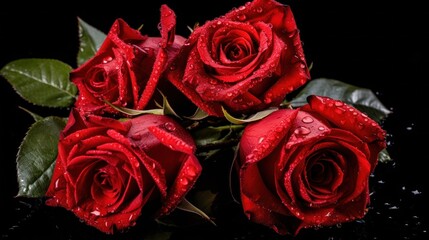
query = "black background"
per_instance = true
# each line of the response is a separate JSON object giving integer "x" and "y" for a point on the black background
{"x": 378, "y": 45}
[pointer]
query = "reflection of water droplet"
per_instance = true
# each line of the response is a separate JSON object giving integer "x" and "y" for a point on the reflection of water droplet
{"x": 169, "y": 126}
{"x": 381, "y": 181}
{"x": 57, "y": 183}
{"x": 416, "y": 192}
{"x": 394, "y": 208}
{"x": 302, "y": 131}
{"x": 107, "y": 59}
{"x": 321, "y": 128}
{"x": 307, "y": 119}
{"x": 96, "y": 213}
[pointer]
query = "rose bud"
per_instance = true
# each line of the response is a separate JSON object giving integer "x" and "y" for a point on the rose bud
{"x": 108, "y": 171}
{"x": 245, "y": 61}
{"x": 308, "y": 167}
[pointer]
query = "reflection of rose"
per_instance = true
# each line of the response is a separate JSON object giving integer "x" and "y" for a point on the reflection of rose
{"x": 245, "y": 61}
{"x": 310, "y": 166}
{"x": 107, "y": 171}
{"x": 126, "y": 68}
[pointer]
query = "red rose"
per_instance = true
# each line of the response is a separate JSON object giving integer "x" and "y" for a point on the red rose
{"x": 107, "y": 171}
{"x": 309, "y": 166}
{"x": 245, "y": 61}
{"x": 126, "y": 68}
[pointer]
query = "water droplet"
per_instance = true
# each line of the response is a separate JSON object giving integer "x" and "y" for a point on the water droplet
{"x": 96, "y": 213}
{"x": 169, "y": 126}
{"x": 241, "y": 8}
{"x": 229, "y": 94}
{"x": 241, "y": 17}
{"x": 416, "y": 192}
{"x": 261, "y": 139}
{"x": 184, "y": 181}
{"x": 57, "y": 182}
{"x": 107, "y": 59}
{"x": 191, "y": 171}
{"x": 321, "y": 128}
{"x": 302, "y": 131}
{"x": 307, "y": 119}
{"x": 339, "y": 104}
{"x": 137, "y": 164}
{"x": 270, "y": 25}
{"x": 219, "y": 22}
{"x": 153, "y": 165}
{"x": 259, "y": 9}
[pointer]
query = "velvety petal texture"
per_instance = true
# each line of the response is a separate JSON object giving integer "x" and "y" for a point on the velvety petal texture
{"x": 309, "y": 166}
{"x": 245, "y": 61}
{"x": 107, "y": 171}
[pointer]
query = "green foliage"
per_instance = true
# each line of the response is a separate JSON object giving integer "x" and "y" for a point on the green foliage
{"x": 36, "y": 156}
{"x": 43, "y": 82}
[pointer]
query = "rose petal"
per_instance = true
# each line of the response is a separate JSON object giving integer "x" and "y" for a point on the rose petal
{"x": 185, "y": 180}
{"x": 261, "y": 137}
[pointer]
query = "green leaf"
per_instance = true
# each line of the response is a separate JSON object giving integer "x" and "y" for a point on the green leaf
{"x": 168, "y": 110}
{"x": 185, "y": 205}
{"x": 361, "y": 98}
{"x": 44, "y": 82}
{"x": 204, "y": 200}
{"x": 254, "y": 117}
{"x": 384, "y": 156}
{"x": 134, "y": 112}
{"x": 90, "y": 40}
{"x": 36, "y": 117}
{"x": 36, "y": 156}
{"x": 198, "y": 115}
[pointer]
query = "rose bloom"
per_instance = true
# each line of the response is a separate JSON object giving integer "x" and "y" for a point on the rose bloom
{"x": 245, "y": 61}
{"x": 309, "y": 166}
{"x": 108, "y": 171}
{"x": 126, "y": 68}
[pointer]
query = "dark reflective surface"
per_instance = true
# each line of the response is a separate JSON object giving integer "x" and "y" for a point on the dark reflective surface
{"x": 381, "y": 46}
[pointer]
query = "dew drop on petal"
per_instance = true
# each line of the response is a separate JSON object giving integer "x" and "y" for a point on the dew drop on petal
{"x": 241, "y": 17}
{"x": 184, "y": 181}
{"x": 339, "y": 104}
{"x": 259, "y": 9}
{"x": 321, "y": 128}
{"x": 107, "y": 59}
{"x": 307, "y": 119}
{"x": 169, "y": 126}
{"x": 302, "y": 131}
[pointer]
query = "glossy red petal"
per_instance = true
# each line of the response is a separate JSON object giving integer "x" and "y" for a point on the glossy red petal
{"x": 261, "y": 137}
